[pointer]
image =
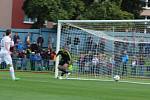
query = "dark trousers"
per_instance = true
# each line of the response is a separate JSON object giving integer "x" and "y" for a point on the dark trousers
{"x": 124, "y": 70}
{"x": 32, "y": 65}
{"x": 133, "y": 70}
{"x": 63, "y": 70}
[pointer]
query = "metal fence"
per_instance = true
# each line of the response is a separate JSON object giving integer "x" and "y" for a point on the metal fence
{"x": 25, "y": 64}
{"x": 49, "y": 35}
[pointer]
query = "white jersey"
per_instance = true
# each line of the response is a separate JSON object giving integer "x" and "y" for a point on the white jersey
{"x": 6, "y": 41}
{"x": 4, "y": 53}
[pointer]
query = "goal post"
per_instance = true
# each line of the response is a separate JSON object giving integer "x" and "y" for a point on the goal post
{"x": 57, "y": 48}
{"x": 101, "y": 49}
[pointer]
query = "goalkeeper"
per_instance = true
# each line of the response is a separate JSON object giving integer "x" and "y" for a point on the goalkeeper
{"x": 65, "y": 62}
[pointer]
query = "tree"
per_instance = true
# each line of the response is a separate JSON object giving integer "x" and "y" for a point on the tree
{"x": 106, "y": 9}
{"x": 52, "y": 10}
{"x": 134, "y": 7}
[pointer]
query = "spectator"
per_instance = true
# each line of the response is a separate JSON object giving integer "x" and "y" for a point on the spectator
{"x": 16, "y": 38}
{"x": 32, "y": 60}
{"x": 76, "y": 44}
{"x": 125, "y": 59}
{"x": 68, "y": 40}
{"x": 117, "y": 60}
{"x": 34, "y": 47}
{"x": 141, "y": 64}
{"x": 21, "y": 56}
{"x": 48, "y": 56}
{"x": 111, "y": 64}
{"x": 95, "y": 62}
{"x": 27, "y": 40}
{"x": 52, "y": 55}
{"x": 68, "y": 43}
{"x": 133, "y": 65}
{"x": 147, "y": 49}
{"x": 95, "y": 48}
{"x": 89, "y": 43}
{"x": 28, "y": 52}
{"x": 44, "y": 55}
{"x": 24, "y": 63}
{"x": 101, "y": 45}
{"x": 117, "y": 47}
{"x": 125, "y": 44}
{"x": 141, "y": 46}
{"x": 20, "y": 47}
{"x": 76, "y": 41}
{"x": 40, "y": 41}
{"x": 38, "y": 59}
{"x": 81, "y": 62}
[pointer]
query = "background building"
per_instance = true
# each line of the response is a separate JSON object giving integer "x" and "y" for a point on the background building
{"x": 12, "y": 15}
{"x": 146, "y": 13}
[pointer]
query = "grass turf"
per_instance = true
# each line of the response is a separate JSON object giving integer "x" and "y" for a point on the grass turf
{"x": 42, "y": 86}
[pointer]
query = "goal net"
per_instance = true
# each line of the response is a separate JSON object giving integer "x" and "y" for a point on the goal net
{"x": 101, "y": 49}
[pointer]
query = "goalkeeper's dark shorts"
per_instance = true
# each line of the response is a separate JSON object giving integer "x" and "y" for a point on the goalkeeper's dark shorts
{"x": 62, "y": 62}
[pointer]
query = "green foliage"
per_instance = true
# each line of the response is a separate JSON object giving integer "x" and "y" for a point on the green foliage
{"x": 106, "y": 10}
{"x": 53, "y": 10}
{"x": 132, "y": 6}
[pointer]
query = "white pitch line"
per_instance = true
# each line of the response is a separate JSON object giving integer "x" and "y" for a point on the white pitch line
{"x": 131, "y": 82}
{"x": 142, "y": 83}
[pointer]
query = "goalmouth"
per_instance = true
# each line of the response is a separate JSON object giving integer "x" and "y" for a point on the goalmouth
{"x": 101, "y": 49}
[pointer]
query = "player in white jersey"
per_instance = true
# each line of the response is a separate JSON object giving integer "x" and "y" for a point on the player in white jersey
{"x": 5, "y": 54}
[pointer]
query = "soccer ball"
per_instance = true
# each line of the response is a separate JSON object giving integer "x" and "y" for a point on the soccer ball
{"x": 116, "y": 77}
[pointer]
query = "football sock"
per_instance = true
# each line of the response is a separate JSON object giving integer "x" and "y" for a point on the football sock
{"x": 12, "y": 73}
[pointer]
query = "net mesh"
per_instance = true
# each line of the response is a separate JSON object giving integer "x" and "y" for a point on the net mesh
{"x": 102, "y": 50}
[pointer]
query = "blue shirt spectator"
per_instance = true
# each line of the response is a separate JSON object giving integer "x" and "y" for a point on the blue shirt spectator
{"x": 33, "y": 56}
{"x": 20, "y": 47}
{"x": 38, "y": 57}
{"x": 125, "y": 58}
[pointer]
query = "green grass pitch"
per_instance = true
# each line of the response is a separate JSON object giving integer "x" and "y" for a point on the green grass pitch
{"x": 42, "y": 86}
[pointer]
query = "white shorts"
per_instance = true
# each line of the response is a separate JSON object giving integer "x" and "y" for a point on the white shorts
{"x": 5, "y": 56}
